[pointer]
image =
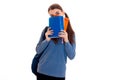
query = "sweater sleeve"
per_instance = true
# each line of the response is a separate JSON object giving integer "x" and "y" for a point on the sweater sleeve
{"x": 70, "y": 49}
{"x": 42, "y": 44}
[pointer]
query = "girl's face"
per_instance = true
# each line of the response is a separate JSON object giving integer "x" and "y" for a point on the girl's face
{"x": 56, "y": 12}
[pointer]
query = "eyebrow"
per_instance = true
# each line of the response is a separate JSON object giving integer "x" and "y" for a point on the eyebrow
{"x": 51, "y": 15}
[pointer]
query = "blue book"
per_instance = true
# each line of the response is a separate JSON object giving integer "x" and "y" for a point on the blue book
{"x": 56, "y": 24}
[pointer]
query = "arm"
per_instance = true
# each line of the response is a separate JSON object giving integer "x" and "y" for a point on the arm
{"x": 70, "y": 49}
{"x": 42, "y": 46}
{"x": 42, "y": 42}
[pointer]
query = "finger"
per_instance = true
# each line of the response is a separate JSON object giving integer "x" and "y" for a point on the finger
{"x": 51, "y": 30}
{"x": 48, "y": 29}
{"x": 64, "y": 32}
{"x": 62, "y": 36}
{"x": 61, "y": 33}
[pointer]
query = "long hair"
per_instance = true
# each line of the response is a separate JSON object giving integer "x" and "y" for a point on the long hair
{"x": 69, "y": 30}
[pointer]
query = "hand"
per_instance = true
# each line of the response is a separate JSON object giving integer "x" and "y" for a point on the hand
{"x": 49, "y": 32}
{"x": 64, "y": 35}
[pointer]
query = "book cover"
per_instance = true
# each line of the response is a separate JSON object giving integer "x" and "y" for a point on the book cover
{"x": 56, "y": 24}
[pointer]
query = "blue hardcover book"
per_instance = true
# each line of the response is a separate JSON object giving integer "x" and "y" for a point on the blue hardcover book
{"x": 56, "y": 24}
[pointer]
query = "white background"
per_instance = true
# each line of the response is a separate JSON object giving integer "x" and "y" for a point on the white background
{"x": 97, "y": 27}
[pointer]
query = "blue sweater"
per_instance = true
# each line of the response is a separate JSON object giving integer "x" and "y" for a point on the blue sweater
{"x": 54, "y": 58}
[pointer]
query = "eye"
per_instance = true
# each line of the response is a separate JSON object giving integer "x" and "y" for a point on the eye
{"x": 57, "y": 13}
{"x": 51, "y": 15}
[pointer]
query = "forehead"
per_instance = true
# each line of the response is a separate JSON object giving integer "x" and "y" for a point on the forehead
{"x": 54, "y": 11}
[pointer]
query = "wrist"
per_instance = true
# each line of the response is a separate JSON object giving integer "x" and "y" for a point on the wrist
{"x": 66, "y": 40}
{"x": 48, "y": 39}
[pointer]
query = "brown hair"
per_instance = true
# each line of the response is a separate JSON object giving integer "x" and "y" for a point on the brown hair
{"x": 69, "y": 30}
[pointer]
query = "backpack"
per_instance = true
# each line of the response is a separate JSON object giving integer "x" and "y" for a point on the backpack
{"x": 37, "y": 56}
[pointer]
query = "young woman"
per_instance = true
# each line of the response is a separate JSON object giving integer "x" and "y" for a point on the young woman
{"x": 52, "y": 64}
